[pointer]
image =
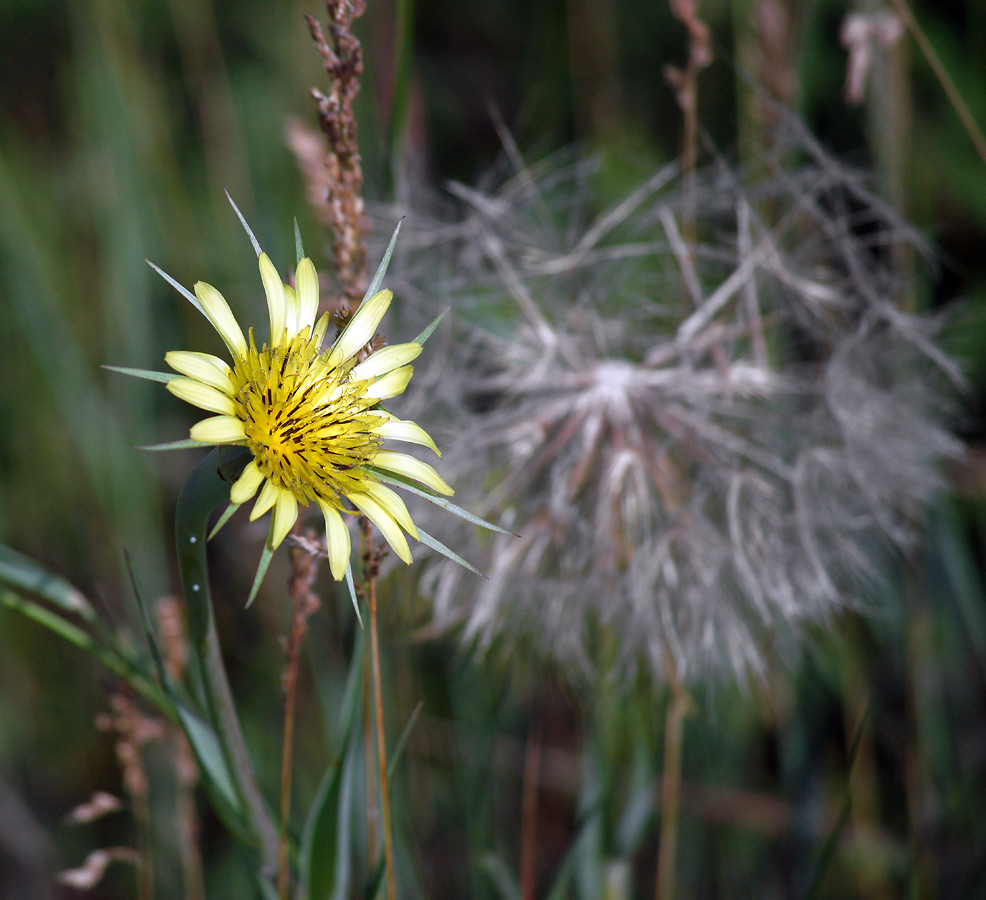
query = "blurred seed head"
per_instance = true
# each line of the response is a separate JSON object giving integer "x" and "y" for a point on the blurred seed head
{"x": 704, "y": 444}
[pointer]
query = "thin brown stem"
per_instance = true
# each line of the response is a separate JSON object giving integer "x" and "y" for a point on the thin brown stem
{"x": 674, "y": 726}
{"x": 944, "y": 79}
{"x": 529, "y": 819}
{"x": 685, "y": 84}
{"x": 305, "y": 601}
{"x": 287, "y": 753}
{"x": 388, "y": 839}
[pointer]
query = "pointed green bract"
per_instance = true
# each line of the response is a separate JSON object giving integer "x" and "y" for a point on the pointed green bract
{"x": 243, "y": 222}
{"x": 409, "y": 485}
{"x": 421, "y": 338}
{"x": 184, "y": 444}
{"x": 438, "y": 546}
{"x": 265, "y": 558}
{"x": 352, "y": 593}
{"x": 378, "y": 276}
{"x": 146, "y": 374}
{"x": 223, "y": 519}
{"x": 299, "y": 248}
{"x": 187, "y": 294}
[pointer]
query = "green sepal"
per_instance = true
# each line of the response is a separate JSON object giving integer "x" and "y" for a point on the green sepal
{"x": 223, "y": 519}
{"x": 437, "y": 545}
{"x": 408, "y": 485}
{"x": 186, "y": 444}
{"x": 146, "y": 374}
{"x": 382, "y": 268}
{"x": 421, "y": 338}
{"x": 265, "y": 558}
{"x": 352, "y": 592}
{"x": 187, "y": 294}
{"x": 299, "y": 248}
{"x": 243, "y": 222}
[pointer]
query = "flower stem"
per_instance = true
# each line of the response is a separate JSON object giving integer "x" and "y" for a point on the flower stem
{"x": 223, "y": 710}
{"x": 304, "y": 568}
{"x": 944, "y": 79}
{"x": 388, "y": 837}
{"x": 667, "y": 851}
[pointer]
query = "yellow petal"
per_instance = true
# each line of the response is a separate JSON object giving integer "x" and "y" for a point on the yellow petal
{"x": 320, "y": 329}
{"x": 275, "y": 299}
{"x": 290, "y": 311}
{"x": 306, "y": 287}
{"x": 390, "y": 385}
{"x": 285, "y": 515}
{"x": 267, "y": 498}
{"x": 383, "y": 520}
{"x": 202, "y": 367}
{"x": 201, "y": 395}
{"x": 409, "y": 467}
{"x": 217, "y": 311}
{"x": 362, "y": 326}
{"x": 395, "y": 429}
{"x": 246, "y": 485}
{"x": 218, "y": 430}
{"x": 337, "y": 540}
{"x": 394, "y": 505}
{"x": 386, "y": 360}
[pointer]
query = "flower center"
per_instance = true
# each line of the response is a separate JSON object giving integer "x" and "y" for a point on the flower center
{"x": 308, "y": 426}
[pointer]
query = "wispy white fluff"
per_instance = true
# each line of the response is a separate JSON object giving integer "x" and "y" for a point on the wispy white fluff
{"x": 703, "y": 448}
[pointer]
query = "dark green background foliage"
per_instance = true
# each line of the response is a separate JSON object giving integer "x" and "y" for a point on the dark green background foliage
{"x": 122, "y": 123}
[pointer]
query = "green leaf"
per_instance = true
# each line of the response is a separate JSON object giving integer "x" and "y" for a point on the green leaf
{"x": 401, "y": 82}
{"x": 19, "y": 571}
{"x": 148, "y": 631}
{"x": 827, "y": 851}
{"x": 503, "y": 880}
{"x": 114, "y": 658}
{"x": 206, "y": 488}
{"x": 326, "y": 839}
{"x": 202, "y": 739}
{"x": 398, "y": 750}
{"x": 210, "y": 755}
{"x": 147, "y": 374}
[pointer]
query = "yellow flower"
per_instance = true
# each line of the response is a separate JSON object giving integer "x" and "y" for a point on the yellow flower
{"x": 309, "y": 417}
